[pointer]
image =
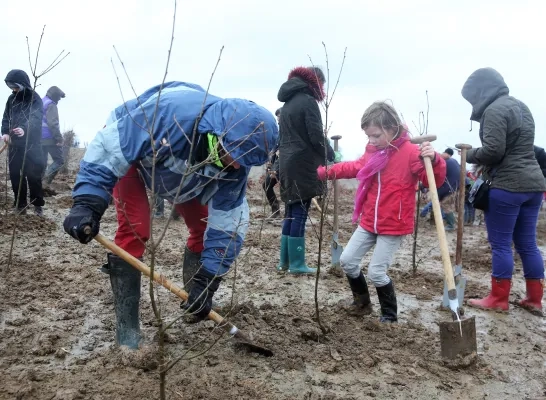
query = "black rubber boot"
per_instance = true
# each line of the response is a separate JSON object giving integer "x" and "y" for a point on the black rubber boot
{"x": 275, "y": 209}
{"x": 125, "y": 281}
{"x": 387, "y": 300}
{"x": 190, "y": 266}
{"x": 361, "y": 296}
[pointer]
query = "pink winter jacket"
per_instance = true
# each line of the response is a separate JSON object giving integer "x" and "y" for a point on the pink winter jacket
{"x": 389, "y": 206}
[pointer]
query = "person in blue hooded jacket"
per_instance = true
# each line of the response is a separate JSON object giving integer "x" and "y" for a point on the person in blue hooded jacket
{"x": 203, "y": 174}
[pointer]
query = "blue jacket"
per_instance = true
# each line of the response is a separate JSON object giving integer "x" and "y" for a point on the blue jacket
{"x": 246, "y": 130}
{"x": 453, "y": 176}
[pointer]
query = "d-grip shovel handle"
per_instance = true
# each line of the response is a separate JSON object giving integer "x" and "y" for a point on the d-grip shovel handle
{"x": 448, "y": 271}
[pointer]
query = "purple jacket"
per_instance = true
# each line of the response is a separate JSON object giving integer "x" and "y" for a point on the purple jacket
{"x": 51, "y": 131}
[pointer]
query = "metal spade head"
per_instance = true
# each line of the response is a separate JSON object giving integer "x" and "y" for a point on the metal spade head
{"x": 337, "y": 249}
{"x": 460, "y": 285}
{"x": 458, "y": 338}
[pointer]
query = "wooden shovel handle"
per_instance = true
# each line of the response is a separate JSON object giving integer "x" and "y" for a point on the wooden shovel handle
{"x": 448, "y": 271}
{"x": 4, "y": 147}
{"x": 336, "y": 189}
{"x": 462, "y": 188}
{"x": 159, "y": 278}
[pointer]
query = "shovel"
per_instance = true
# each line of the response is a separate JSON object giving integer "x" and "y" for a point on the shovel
{"x": 167, "y": 284}
{"x": 457, "y": 338}
{"x": 336, "y": 247}
{"x": 460, "y": 280}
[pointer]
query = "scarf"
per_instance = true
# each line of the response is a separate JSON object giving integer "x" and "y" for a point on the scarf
{"x": 377, "y": 162}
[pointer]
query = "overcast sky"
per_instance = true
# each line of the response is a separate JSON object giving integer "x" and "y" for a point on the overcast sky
{"x": 395, "y": 50}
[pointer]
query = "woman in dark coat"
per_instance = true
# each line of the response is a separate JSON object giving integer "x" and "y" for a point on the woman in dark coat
{"x": 22, "y": 129}
{"x": 507, "y": 133}
{"x": 303, "y": 147}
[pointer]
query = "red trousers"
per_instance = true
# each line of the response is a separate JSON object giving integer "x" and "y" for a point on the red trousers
{"x": 133, "y": 215}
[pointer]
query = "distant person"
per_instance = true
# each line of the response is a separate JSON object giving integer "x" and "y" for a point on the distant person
{"x": 507, "y": 155}
{"x": 22, "y": 129}
{"x": 540, "y": 155}
{"x": 272, "y": 177}
{"x": 303, "y": 146}
{"x": 447, "y": 193}
{"x": 52, "y": 139}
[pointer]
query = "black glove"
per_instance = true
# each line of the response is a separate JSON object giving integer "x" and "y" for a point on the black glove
{"x": 85, "y": 213}
{"x": 203, "y": 286}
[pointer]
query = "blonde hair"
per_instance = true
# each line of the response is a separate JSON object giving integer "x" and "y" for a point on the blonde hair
{"x": 384, "y": 116}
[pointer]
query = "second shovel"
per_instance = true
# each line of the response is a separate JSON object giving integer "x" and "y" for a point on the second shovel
{"x": 336, "y": 247}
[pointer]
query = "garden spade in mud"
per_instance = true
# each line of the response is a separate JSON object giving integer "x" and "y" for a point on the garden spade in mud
{"x": 460, "y": 280}
{"x": 336, "y": 247}
{"x": 457, "y": 337}
{"x": 223, "y": 323}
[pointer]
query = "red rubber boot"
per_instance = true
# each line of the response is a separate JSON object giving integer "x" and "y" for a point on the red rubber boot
{"x": 497, "y": 300}
{"x": 533, "y": 301}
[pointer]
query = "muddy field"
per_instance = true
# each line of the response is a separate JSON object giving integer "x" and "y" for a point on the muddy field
{"x": 57, "y": 322}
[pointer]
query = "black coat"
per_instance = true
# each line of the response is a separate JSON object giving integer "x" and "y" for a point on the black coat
{"x": 303, "y": 147}
{"x": 540, "y": 155}
{"x": 24, "y": 110}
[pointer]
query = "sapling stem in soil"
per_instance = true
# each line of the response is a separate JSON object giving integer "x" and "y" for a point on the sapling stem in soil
{"x": 326, "y": 106}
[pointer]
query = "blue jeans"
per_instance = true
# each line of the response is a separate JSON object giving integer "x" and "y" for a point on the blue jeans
{"x": 295, "y": 218}
{"x": 58, "y": 161}
{"x": 512, "y": 217}
{"x": 469, "y": 213}
{"x": 426, "y": 209}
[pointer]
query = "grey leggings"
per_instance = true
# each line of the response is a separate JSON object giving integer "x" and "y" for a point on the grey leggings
{"x": 360, "y": 243}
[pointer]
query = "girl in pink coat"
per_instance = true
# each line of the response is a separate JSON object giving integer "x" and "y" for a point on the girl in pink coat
{"x": 385, "y": 202}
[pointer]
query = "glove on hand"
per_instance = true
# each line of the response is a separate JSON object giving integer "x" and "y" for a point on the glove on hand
{"x": 199, "y": 303}
{"x": 85, "y": 213}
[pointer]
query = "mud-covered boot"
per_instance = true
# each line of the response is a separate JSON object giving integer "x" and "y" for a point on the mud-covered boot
{"x": 361, "y": 304}
{"x": 125, "y": 281}
{"x": 283, "y": 260}
{"x": 190, "y": 266}
{"x": 296, "y": 257}
{"x": 533, "y": 300}
{"x": 387, "y": 300}
{"x": 497, "y": 300}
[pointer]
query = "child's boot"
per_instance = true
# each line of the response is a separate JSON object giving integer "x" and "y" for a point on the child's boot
{"x": 497, "y": 300}
{"x": 533, "y": 300}
{"x": 387, "y": 300}
{"x": 296, "y": 257}
{"x": 361, "y": 304}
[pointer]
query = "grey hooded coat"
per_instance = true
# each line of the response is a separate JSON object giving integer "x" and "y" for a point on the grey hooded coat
{"x": 507, "y": 134}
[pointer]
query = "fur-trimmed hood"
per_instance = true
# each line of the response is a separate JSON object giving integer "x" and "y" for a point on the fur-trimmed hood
{"x": 302, "y": 79}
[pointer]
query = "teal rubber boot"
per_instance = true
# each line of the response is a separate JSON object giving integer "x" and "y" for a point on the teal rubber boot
{"x": 283, "y": 262}
{"x": 296, "y": 256}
